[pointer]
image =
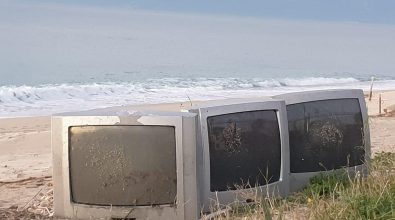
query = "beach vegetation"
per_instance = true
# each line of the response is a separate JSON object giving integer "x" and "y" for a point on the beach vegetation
{"x": 335, "y": 195}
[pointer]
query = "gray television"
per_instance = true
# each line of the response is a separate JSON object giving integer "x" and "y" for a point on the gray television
{"x": 328, "y": 130}
{"x": 118, "y": 166}
{"x": 242, "y": 149}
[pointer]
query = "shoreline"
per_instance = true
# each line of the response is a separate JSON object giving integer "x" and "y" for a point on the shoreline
{"x": 18, "y": 104}
{"x": 372, "y": 105}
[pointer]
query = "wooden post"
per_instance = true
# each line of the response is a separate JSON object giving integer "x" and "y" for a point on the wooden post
{"x": 380, "y": 104}
{"x": 371, "y": 89}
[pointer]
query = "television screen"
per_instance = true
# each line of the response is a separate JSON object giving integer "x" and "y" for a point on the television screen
{"x": 123, "y": 165}
{"x": 245, "y": 149}
{"x": 325, "y": 135}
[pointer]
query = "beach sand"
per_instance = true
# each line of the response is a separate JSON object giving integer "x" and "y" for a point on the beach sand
{"x": 25, "y": 151}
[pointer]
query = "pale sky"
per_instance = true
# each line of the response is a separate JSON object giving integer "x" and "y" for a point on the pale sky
{"x": 371, "y": 11}
{"x": 43, "y": 40}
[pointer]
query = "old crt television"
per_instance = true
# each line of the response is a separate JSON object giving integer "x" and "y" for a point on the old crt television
{"x": 137, "y": 166}
{"x": 242, "y": 148}
{"x": 328, "y": 130}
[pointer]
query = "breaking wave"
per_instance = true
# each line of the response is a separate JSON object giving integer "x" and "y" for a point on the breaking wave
{"x": 55, "y": 98}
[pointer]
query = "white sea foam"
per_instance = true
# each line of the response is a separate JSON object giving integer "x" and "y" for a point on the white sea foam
{"x": 55, "y": 98}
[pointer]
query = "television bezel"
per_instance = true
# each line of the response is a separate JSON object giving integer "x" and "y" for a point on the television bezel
{"x": 186, "y": 206}
{"x": 300, "y": 180}
{"x": 216, "y": 108}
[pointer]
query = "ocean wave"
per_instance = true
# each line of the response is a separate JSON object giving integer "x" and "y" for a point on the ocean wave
{"x": 54, "y": 98}
{"x": 317, "y": 81}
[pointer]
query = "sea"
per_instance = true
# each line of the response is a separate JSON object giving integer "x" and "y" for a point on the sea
{"x": 26, "y": 97}
{"x": 56, "y": 58}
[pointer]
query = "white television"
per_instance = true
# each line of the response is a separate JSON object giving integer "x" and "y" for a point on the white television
{"x": 137, "y": 166}
{"x": 328, "y": 130}
{"x": 242, "y": 147}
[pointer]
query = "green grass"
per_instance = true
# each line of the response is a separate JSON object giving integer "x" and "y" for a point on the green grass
{"x": 372, "y": 197}
{"x": 336, "y": 195}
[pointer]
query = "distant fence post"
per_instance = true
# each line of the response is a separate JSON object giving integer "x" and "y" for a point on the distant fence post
{"x": 380, "y": 104}
{"x": 371, "y": 89}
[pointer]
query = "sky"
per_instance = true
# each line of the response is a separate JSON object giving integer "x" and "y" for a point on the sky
{"x": 57, "y": 41}
{"x": 370, "y": 11}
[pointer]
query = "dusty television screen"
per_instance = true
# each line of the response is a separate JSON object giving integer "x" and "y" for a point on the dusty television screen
{"x": 123, "y": 165}
{"x": 245, "y": 149}
{"x": 325, "y": 135}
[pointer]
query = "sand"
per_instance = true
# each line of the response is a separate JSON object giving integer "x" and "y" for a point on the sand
{"x": 25, "y": 158}
{"x": 25, "y": 151}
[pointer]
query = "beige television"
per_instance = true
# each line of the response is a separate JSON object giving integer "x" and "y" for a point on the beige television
{"x": 242, "y": 148}
{"x": 140, "y": 165}
{"x": 328, "y": 130}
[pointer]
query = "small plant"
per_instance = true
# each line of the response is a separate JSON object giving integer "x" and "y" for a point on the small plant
{"x": 324, "y": 185}
{"x": 383, "y": 160}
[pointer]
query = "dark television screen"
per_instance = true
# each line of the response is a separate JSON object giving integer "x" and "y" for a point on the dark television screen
{"x": 325, "y": 135}
{"x": 245, "y": 149}
{"x": 123, "y": 165}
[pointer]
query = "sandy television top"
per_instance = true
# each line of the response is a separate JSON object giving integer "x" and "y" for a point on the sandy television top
{"x": 163, "y": 109}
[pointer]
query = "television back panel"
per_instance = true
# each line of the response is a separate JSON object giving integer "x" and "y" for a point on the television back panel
{"x": 243, "y": 149}
{"x": 328, "y": 130}
{"x": 138, "y": 167}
